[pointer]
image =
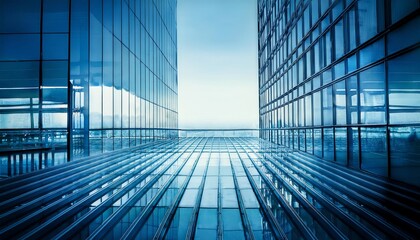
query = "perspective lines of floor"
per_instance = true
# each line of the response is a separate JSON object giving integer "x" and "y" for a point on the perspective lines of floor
{"x": 206, "y": 188}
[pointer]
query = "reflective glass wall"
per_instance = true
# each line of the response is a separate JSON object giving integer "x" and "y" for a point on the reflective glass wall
{"x": 340, "y": 80}
{"x": 81, "y": 77}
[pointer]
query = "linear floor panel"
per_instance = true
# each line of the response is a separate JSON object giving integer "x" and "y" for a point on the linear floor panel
{"x": 206, "y": 188}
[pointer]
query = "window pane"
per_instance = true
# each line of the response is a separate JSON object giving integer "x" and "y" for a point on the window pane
{"x": 55, "y": 47}
{"x": 405, "y": 154}
{"x": 374, "y": 154}
{"x": 400, "y": 9}
{"x": 353, "y": 145}
{"x": 340, "y": 103}
{"x": 341, "y": 145}
{"x": 54, "y": 73}
{"x": 327, "y": 106}
{"x": 19, "y": 47}
{"x": 404, "y": 88}
{"x": 328, "y": 144}
{"x": 367, "y": 19}
{"x": 372, "y": 95}
{"x": 20, "y": 16}
{"x": 19, "y": 74}
{"x": 56, "y": 14}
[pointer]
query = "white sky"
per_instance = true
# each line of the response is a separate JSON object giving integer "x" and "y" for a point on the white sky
{"x": 217, "y": 64}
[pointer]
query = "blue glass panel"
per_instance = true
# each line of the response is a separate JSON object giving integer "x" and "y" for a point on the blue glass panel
{"x": 56, "y": 16}
{"x": 340, "y": 103}
{"x": 400, "y": 9}
{"x": 19, "y": 74}
{"x": 317, "y": 106}
{"x": 403, "y": 36}
{"x": 19, "y": 47}
{"x": 341, "y": 145}
{"x": 339, "y": 39}
{"x": 327, "y": 106}
{"x": 374, "y": 150}
{"x": 328, "y": 143}
{"x": 20, "y": 16}
{"x": 372, "y": 95}
{"x": 318, "y": 142}
{"x": 353, "y": 147}
{"x": 367, "y": 19}
{"x": 372, "y": 53}
{"x": 404, "y": 88}
{"x": 405, "y": 154}
{"x": 55, "y": 47}
{"x": 54, "y": 95}
{"x": 352, "y": 100}
{"x": 55, "y": 73}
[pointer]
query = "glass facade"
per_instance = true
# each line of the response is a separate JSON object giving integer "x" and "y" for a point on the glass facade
{"x": 81, "y": 77}
{"x": 340, "y": 80}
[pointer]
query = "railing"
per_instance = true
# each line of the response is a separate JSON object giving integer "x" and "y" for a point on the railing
{"x": 242, "y": 132}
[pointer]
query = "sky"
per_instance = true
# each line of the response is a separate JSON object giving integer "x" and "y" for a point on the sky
{"x": 217, "y": 64}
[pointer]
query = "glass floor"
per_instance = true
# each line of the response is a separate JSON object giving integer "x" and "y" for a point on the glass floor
{"x": 206, "y": 188}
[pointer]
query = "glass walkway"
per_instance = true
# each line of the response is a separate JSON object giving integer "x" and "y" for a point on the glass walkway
{"x": 206, "y": 188}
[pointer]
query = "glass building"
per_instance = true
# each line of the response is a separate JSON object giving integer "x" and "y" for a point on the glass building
{"x": 81, "y": 77}
{"x": 340, "y": 80}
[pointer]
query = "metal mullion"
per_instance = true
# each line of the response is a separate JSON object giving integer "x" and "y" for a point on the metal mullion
{"x": 141, "y": 219}
{"x": 12, "y": 183}
{"x": 163, "y": 227}
{"x": 363, "y": 181}
{"x": 334, "y": 232}
{"x": 297, "y": 221}
{"x": 373, "y": 219}
{"x": 245, "y": 221}
{"x": 274, "y": 224}
{"x": 71, "y": 176}
{"x": 60, "y": 191}
{"x": 81, "y": 222}
{"x": 373, "y": 205}
{"x": 76, "y": 207}
{"x": 101, "y": 231}
{"x": 194, "y": 215}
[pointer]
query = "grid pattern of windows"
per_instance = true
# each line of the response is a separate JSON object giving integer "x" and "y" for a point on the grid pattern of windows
{"x": 340, "y": 80}
{"x": 81, "y": 77}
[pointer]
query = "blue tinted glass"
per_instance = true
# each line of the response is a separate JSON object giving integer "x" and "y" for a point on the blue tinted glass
{"x": 374, "y": 150}
{"x": 404, "y": 88}
{"x": 400, "y": 9}
{"x": 403, "y": 36}
{"x": 20, "y": 16}
{"x": 54, "y": 73}
{"x": 367, "y": 19}
{"x": 339, "y": 39}
{"x": 327, "y": 106}
{"x": 318, "y": 142}
{"x": 19, "y": 47}
{"x": 372, "y": 95}
{"x": 341, "y": 145}
{"x": 340, "y": 103}
{"x": 328, "y": 144}
{"x": 55, "y": 46}
{"x": 19, "y": 74}
{"x": 54, "y": 95}
{"x": 372, "y": 53}
{"x": 352, "y": 99}
{"x": 317, "y": 108}
{"x": 405, "y": 154}
{"x": 353, "y": 143}
{"x": 56, "y": 15}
